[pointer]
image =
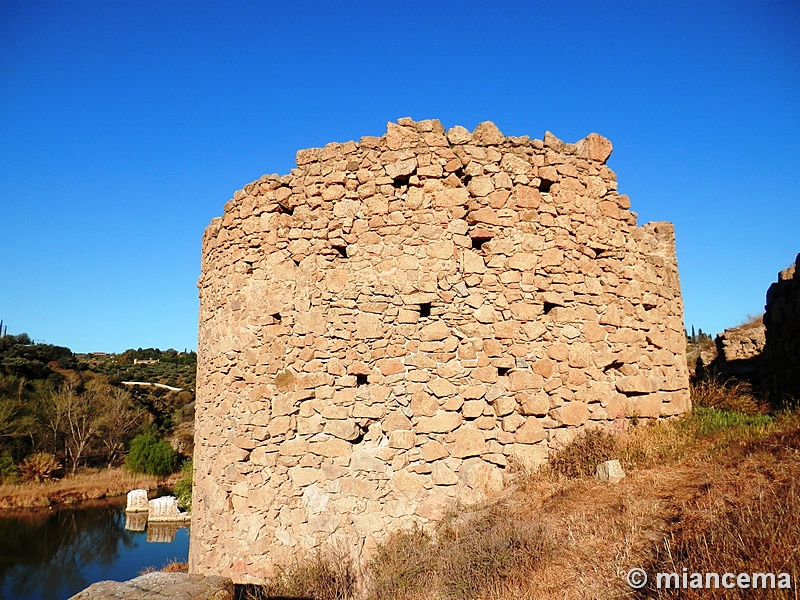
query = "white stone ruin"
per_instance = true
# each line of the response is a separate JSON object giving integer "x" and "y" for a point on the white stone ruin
{"x": 137, "y": 501}
{"x": 164, "y": 509}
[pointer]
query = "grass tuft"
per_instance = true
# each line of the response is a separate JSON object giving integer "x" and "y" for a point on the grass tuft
{"x": 728, "y": 395}
{"x": 581, "y": 456}
{"x": 328, "y": 574}
{"x": 468, "y": 555}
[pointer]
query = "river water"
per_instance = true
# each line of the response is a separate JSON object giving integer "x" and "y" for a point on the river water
{"x": 54, "y": 554}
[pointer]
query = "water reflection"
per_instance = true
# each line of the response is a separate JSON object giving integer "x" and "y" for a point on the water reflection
{"x": 135, "y": 521}
{"x": 51, "y": 555}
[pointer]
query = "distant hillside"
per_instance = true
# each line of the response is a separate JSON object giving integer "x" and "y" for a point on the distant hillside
{"x": 76, "y": 410}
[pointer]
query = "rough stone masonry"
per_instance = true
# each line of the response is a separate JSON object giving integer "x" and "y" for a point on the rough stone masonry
{"x": 389, "y": 328}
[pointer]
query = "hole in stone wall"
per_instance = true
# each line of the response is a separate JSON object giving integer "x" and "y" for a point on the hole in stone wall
{"x": 614, "y": 365}
{"x": 478, "y": 241}
{"x": 548, "y": 306}
{"x": 425, "y": 309}
{"x": 648, "y": 306}
{"x": 503, "y": 371}
{"x": 598, "y": 252}
{"x": 545, "y": 185}
{"x": 465, "y": 179}
{"x": 296, "y": 261}
{"x": 286, "y": 210}
{"x": 361, "y": 380}
{"x": 342, "y": 250}
{"x": 277, "y": 317}
{"x": 401, "y": 181}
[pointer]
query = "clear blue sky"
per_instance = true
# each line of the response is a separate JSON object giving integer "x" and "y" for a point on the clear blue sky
{"x": 125, "y": 127}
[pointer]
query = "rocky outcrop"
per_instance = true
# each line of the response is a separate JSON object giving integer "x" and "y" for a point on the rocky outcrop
{"x": 160, "y": 586}
{"x": 388, "y": 328}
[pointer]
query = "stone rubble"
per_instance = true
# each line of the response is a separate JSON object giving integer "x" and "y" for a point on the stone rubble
{"x": 388, "y": 328}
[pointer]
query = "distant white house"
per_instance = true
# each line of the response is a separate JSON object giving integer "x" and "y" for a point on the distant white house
{"x": 145, "y": 361}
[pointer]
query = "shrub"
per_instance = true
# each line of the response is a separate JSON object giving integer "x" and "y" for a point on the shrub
{"x": 39, "y": 467}
{"x": 183, "y": 487}
{"x": 581, "y": 456}
{"x": 151, "y": 456}
{"x": 728, "y": 395}
{"x": 9, "y": 472}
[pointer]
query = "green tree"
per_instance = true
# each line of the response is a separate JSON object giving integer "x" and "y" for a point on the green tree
{"x": 183, "y": 487}
{"x": 151, "y": 455}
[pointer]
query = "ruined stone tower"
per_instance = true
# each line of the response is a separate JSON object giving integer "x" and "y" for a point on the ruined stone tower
{"x": 386, "y": 329}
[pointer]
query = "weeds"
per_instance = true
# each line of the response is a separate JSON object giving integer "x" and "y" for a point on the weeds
{"x": 328, "y": 574}
{"x": 402, "y": 564}
{"x": 468, "y": 555}
{"x": 728, "y": 395}
{"x": 581, "y": 456}
{"x": 172, "y": 566}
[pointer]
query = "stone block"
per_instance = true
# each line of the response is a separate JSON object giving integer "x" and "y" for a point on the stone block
{"x": 402, "y": 439}
{"x": 468, "y": 442}
{"x": 571, "y": 413}
{"x": 441, "y": 422}
{"x": 441, "y": 474}
{"x": 345, "y": 430}
{"x": 530, "y": 432}
{"x": 610, "y": 471}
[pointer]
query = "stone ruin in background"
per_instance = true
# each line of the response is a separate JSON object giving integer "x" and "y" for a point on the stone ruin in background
{"x": 391, "y": 326}
{"x": 766, "y": 351}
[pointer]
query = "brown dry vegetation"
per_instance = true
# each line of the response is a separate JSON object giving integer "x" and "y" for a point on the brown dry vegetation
{"x": 89, "y": 484}
{"x": 715, "y": 491}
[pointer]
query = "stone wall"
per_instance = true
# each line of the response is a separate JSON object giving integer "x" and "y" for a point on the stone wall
{"x": 781, "y": 357}
{"x": 739, "y": 352}
{"x": 766, "y": 351}
{"x": 388, "y": 328}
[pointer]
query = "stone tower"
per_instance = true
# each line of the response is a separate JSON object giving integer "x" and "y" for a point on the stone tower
{"x": 387, "y": 328}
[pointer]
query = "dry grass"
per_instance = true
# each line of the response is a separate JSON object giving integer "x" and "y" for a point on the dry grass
{"x": 175, "y": 567}
{"x": 743, "y": 518}
{"x": 171, "y": 567}
{"x": 471, "y": 555}
{"x": 86, "y": 485}
{"x": 728, "y": 395}
{"x": 328, "y": 574}
{"x": 581, "y": 457}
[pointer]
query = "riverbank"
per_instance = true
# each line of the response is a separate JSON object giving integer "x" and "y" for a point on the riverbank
{"x": 91, "y": 484}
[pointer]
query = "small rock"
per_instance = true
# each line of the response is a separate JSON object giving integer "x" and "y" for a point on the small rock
{"x": 610, "y": 471}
